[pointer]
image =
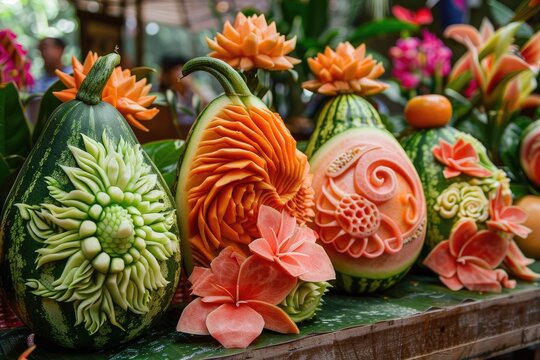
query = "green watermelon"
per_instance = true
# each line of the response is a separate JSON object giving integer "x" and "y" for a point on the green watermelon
{"x": 89, "y": 247}
{"x": 339, "y": 113}
{"x": 450, "y": 199}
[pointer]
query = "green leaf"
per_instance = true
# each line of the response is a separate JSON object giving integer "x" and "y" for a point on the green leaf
{"x": 378, "y": 28}
{"x": 503, "y": 15}
{"x": 49, "y": 103}
{"x": 509, "y": 151}
{"x": 165, "y": 155}
{"x": 14, "y": 129}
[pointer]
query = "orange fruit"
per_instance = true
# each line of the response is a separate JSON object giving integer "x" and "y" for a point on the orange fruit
{"x": 531, "y": 244}
{"x": 428, "y": 111}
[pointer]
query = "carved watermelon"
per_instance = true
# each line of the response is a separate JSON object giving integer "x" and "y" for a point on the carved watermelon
{"x": 370, "y": 208}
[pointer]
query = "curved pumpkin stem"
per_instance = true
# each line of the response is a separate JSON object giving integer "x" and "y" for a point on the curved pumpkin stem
{"x": 230, "y": 80}
{"x": 94, "y": 83}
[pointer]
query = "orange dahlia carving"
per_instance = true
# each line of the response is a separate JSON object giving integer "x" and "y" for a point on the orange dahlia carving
{"x": 345, "y": 70}
{"x": 252, "y": 43}
{"x": 129, "y": 96}
{"x": 245, "y": 159}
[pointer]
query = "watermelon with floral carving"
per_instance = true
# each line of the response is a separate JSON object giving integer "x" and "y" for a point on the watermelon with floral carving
{"x": 462, "y": 185}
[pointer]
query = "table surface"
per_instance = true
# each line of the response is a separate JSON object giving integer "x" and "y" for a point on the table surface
{"x": 417, "y": 318}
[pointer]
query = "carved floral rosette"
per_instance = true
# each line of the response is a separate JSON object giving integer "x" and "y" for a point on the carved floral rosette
{"x": 370, "y": 206}
{"x": 110, "y": 229}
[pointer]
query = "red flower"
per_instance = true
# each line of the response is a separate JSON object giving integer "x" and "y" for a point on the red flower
{"x": 422, "y": 16}
{"x": 293, "y": 247}
{"x": 459, "y": 158}
{"x": 506, "y": 218}
{"x": 468, "y": 258}
{"x": 238, "y": 298}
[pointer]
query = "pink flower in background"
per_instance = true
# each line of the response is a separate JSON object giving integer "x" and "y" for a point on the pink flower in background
{"x": 417, "y": 59}
{"x": 14, "y": 65}
{"x": 419, "y": 17}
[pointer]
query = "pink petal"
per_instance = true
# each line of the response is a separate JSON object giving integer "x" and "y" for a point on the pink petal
{"x": 506, "y": 67}
{"x": 502, "y": 277}
{"x": 234, "y": 326}
{"x": 275, "y": 319}
{"x": 402, "y": 13}
{"x": 513, "y": 214}
{"x": 520, "y": 270}
{"x": 226, "y": 268}
{"x": 268, "y": 223}
{"x": 486, "y": 245}
{"x": 262, "y": 248}
{"x": 519, "y": 230}
{"x": 441, "y": 261}
{"x": 286, "y": 228}
{"x": 291, "y": 264}
{"x": 423, "y": 16}
{"x": 317, "y": 264}
{"x": 463, "y": 33}
{"x": 452, "y": 283}
{"x": 450, "y": 173}
{"x": 515, "y": 253}
{"x": 463, "y": 149}
{"x": 476, "y": 275}
{"x": 462, "y": 231}
{"x": 265, "y": 281}
{"x": 198, "y": 274}
{"x": 193, "y": 318}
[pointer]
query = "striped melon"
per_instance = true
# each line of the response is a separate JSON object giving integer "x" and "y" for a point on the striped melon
{"x": 89, "y": 251}
{"x": 450, "y": 199}
{"x": 339, "y": 113}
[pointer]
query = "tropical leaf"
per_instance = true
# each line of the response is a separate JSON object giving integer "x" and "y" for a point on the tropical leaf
{"x": 165, "y": 155}
{"x": 378, "y": 28}
{"x": 48, "y": 104}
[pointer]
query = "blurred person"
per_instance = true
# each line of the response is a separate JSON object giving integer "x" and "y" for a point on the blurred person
{"x": 52, "y": 50}
{"x": 191, "y": 96}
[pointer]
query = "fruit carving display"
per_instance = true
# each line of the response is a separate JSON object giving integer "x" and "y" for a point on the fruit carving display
{"x": 90, "y": 249}
{"x": 370, "y": 207}
{"x": 471, "y": 220}
{"x": 239, "y": 155}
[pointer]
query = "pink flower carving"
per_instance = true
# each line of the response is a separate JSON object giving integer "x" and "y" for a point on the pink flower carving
{"x": 468, "y": 259}
{"x": 459, "y": 158}
{"x": 291, "y": 246}
{"x": 506, "y": 218}
{"x": 238, "y": 298}
{"x": 14, "y": 64}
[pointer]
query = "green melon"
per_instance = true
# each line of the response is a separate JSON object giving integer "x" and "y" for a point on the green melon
{"x": 470, "y": 194}
{"x": 89, "y": 244}
{"x": 338, "y": 114}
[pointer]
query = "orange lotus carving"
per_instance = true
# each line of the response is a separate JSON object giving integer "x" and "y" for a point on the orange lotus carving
{"x": 245, "y": 159}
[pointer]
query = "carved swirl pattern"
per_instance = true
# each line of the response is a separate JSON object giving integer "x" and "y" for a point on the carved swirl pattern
{"x": 356, "y": 211}
{"x": 245, "y": 158}
{"x": 111, "y": 232}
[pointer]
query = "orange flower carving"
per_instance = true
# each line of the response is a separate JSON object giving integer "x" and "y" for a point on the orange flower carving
{"x": 245, "y": 159}
{"x": 346, "y": 70}
{"x": 129, "y": 96}
{"x": 459, "y": 158}
{"x": 252, "y": 43}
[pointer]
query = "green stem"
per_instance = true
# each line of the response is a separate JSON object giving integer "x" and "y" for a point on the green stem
{"x": 94, "y": 83}
{"x": 230, "y": 80}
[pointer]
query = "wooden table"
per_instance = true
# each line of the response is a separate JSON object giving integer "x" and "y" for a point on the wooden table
{"x": 418, "y": 318}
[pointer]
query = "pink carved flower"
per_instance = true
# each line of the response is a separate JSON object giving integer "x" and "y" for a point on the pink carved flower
{"x": 14, "y": 64}
{"x": 468, "y": 259}
{"x": 237, "y": 299}
{"x": 506, "y": 218}
{"x": 517, "y": 263}
{"x": 459, "y": 158}
{"x": 291, "y": 246}
{"x": 421, "y": 16}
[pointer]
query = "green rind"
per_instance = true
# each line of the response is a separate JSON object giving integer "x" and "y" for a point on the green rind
{"x": 50, "y": 319}
{"x": 340, "y": 113}
{"x": 418, "y": 147}
{"x": 364, "y": 285}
